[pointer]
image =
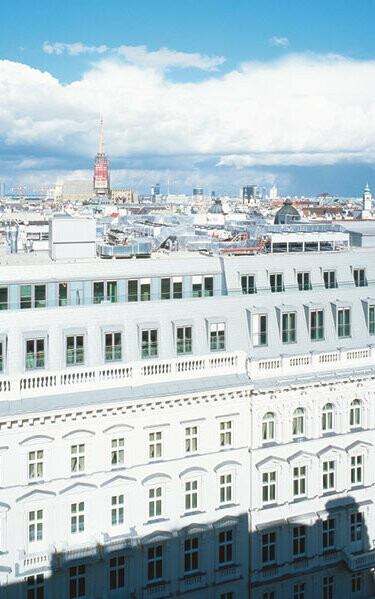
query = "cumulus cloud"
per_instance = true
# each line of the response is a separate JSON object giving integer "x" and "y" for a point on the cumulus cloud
{"x": 299, "y": 110}
{"x": 278, "y": 41}
{"x": 73, "y": 49}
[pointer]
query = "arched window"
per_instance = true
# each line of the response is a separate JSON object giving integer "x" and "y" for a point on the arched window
{"x": 268, "y": 426}
{"x": 355, "y": 413}
{"x": 298, "y": 422}
{"x": 327, "y": 417}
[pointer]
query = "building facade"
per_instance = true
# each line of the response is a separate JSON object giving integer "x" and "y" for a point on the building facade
{"x": 188, "y": 425}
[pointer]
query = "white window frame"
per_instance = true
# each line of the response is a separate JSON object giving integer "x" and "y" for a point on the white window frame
{"x": 155, "y": 445}
{"x": 357, "y": 469}
{"x": 117, "y": 510}
{"x": 226, "y": 487}
{"x": 328, "y": 418}
{"x": 269, "y": 486}
{"x": 35, "y": 526}
{"x": 191, "y": 439}
{"x": 155, "y": 502}
{"x": 78, "y": 458}
{"x": 269, "y": 427}
{"x": 77, "y": 517}
{"x": 117, "y": 452}
{"x": 329, "y": 475}
{"x": 35, "y": 464}
{"x": 300, "y": 473}
{"x": 226, "y": 433}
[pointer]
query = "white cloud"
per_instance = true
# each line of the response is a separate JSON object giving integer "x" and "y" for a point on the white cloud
{"x": 301, "y": 110}
{"x": 165, "y": 58}
{"x": 73, "y": 49}
{"x": 278, "y": 41}
{"x": 139, "y": 55}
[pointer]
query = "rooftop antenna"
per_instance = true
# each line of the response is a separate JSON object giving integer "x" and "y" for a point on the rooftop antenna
{"x": 101, "y": 144}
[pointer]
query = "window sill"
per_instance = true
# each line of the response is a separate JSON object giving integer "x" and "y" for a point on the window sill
{"x": 226, "y": 506}
{"x": 156, "y": 521}
{"x": 192, "y": 513}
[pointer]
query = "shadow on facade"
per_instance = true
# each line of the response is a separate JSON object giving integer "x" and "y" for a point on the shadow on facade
{"x": 327, "y": 555}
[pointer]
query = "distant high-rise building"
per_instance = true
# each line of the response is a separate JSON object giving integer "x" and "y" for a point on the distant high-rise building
{"x": 250, "y": 193}
{"x": 2, "y": 189}
{"x": 273, "y": 192}
{"x": 155, "y": 192}
{"x": 101, "y": 169}
{"x": 198, "y": 193}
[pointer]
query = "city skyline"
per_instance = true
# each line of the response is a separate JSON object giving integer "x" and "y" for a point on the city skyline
{"x": 210, "y": 96}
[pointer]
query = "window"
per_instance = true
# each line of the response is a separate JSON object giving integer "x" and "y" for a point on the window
{"x": 329, "y": 277}
{"x": 226, "y": 433}
{"x": 191, "y": 495}
{"x": 248, "y": 284}
{"x": 268, "y": 547}
{"x": 74, "y": 350}
{"x": 35, "y": 586}
{"x": 359, "y": 275}
{"x": 276, "y": 283}
{"x": 316, "y": 325}
{"x": 371, "y": 320}
{"x": 117, "y": 452}
{"x": 171, "y": 288}
{"x": 299, "y": 590}
{"x": 191, "y": 554}
{"x": 355, "y": 413}
{"x": 3, "y": 298}
{"x": 145, "y": 290}
{"x": 288, "y": 327}
{"x": 356, "y": 583}
{"x": 343, "y": 321}
{"x": 105, "y": 291}
{"x": 208, "y": 286}
{"x": 268, "y": 427}
{"x": 217, "y": 336}
{"x": 328, "y": 587}
{"x": 35, "y": 357}
{"x": 191, "y": 439}
{"x": 226, "y": 546}
{"x": 154, "y": 563}
{"x": 259, "y": 332}
{"x": 36, "y": 525}
{"x": 35, "y": 465}
{"x": 184, "y": 340}
{"x": 2, "y": 356}
{"x": 63, "y": 294}
{"x": 112, "y": 347}
{"x": 149, "y": 343}
{"x": 154, "y": 502}
{"x": 299, "y": 541}
{"x": 32, "y": 296}
{"x": 329, "y": 533}
{"x": 299, "y": 481}
{"x": 268, "y": 487}
{"x": 269, "y": 595}
{"x": 77, "y": 517}
{"x": 356, "y": 522}
{"x": 356, "y": 469}
{"x": 303, "y": 280}
{"x": 226, "y": 488}
{"x": 165, "y": 289}
{"x": 327, "y": 418}
{"x": 298, "y": 423}
{"x": 77, "y": 582}
{"x": 117, "y": 510}
{"x": 117, "y": 572}
{"x": 329, "y": 469}
{"x": 132, "y": 291}
{"x": 155, "y": 445}
{"x": 77, "y": 458}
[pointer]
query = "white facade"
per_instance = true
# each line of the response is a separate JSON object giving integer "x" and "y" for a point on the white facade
{"x": 197, "y": 453}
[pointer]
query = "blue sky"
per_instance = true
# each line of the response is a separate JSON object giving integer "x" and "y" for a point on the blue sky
{"x": 247, "y": 91}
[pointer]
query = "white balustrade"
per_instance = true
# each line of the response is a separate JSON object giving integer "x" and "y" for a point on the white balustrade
{"x": 144, "y": 372}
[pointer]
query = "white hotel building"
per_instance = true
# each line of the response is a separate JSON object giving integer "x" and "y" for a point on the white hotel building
{"x": 188, "y": 426}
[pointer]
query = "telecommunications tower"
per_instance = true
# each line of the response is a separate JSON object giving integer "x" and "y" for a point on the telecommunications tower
{"x": 101, "y": 169}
